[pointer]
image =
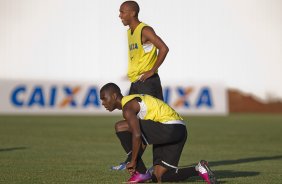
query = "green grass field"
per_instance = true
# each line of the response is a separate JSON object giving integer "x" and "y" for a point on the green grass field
{"x": 241, "y": 148}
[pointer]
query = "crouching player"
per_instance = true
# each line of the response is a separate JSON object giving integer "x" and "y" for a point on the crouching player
{"x": 151, "y": 121}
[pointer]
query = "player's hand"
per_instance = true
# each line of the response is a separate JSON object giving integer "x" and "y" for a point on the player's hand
{"x": 146, "y": 75}
{"x": 131, "y": 167}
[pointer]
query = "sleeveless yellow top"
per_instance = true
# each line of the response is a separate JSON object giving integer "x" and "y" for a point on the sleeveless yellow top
{"x": 141, "y": 58}
{"x": 154, "y": 109}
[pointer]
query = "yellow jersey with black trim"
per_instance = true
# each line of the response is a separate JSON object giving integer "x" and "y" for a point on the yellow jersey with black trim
{"x": 152, "y": 108}
{"x": 141, "y": 57}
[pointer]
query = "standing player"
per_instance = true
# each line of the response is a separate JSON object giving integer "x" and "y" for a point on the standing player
{"x": 146, "y": 53}
{"x": 150, "y": 120}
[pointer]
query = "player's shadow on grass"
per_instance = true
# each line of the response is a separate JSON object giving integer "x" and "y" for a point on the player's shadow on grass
{"x": 243, "y": 160}
{"x": 12, "y": 149}
{"x": 223, "y": 174}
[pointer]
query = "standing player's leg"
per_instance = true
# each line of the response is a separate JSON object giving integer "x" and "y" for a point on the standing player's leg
{"x": 151, "y": 86}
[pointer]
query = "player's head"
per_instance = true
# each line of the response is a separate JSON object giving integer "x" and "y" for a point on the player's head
{"x": 109, "y": 94}
{"x": 128, "y": 10}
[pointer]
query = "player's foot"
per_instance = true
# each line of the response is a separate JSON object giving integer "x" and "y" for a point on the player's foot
{"x": 139, "y": 178}
{"x": 121, "y": 166}
{"x": 205, "y": 172}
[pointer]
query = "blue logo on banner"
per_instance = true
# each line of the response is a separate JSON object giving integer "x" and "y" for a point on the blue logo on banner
{"x": 38, "y": 97}
{"x": 204, "y": 97}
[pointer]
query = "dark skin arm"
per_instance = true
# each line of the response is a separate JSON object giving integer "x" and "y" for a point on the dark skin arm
{"x": 129, "y": 113}
{"x": 149, "y": 36}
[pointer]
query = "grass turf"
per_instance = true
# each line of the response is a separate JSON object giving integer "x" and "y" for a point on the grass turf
{"x": 241, "y": 148}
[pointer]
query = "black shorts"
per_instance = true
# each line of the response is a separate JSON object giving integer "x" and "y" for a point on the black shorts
{"x": 168, "y": 141}
{"x": 151, "y": 86}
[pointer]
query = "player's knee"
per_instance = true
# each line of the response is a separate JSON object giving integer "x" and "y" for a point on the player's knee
{"x": 117, "y": 126}
{"x": 121, "y": 126}
{"x": 157, "y": 177}
{"x": 154, "y": 178}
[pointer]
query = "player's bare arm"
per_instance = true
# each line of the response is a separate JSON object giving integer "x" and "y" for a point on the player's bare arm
{"x": 149, "y": 36}
{"x": 130, "y": 111}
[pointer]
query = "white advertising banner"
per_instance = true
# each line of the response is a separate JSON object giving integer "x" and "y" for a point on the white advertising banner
{"x": 75, "y": 98}
{"x": 196, "y": 98}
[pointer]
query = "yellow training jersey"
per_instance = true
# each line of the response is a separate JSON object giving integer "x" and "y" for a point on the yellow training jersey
{"x": 154, "y": 109}
{"x": 141, "y": 58}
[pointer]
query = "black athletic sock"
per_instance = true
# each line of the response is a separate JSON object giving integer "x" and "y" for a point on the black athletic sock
{"x": 125, "y": 138}
{"x": 141, "y": 151}
{"x": 181, "y": 175}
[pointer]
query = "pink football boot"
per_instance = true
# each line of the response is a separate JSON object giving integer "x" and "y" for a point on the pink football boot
{"x": 205, "y": 172}
{"x": 139, "y": 178}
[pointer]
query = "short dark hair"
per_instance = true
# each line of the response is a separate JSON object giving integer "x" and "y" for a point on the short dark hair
{"x": 111, "y": 87}
{"x": 134, "y": 6}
